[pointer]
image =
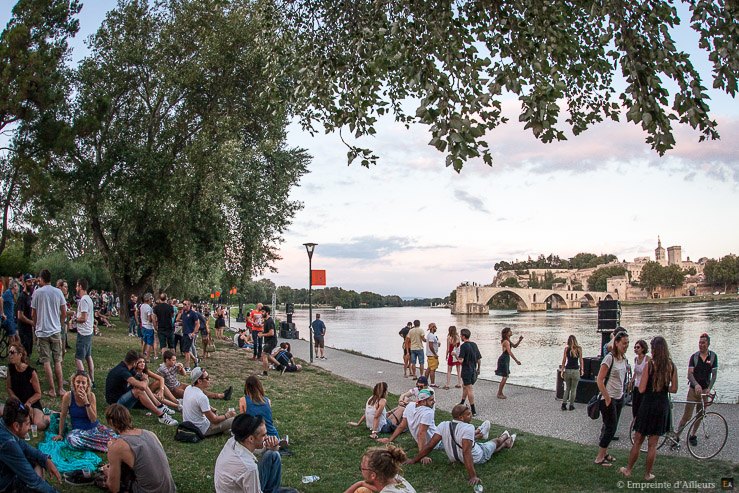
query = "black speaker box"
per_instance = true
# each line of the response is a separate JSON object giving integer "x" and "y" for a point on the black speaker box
{"x": 591, "y": 367}
{"x": 586, "y": 388}
{"x": 609, "y": 305}
{"x": 608, "y": 324}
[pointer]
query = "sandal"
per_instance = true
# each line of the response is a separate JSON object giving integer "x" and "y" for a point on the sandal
{"x": 457, "y": 386}
{"x": 610, "y": 458}
{"x": 445, "y": 387}
{"x": 603, "y": 463}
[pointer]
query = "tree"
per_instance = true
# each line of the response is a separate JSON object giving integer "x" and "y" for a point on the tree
{"x": 353, "y": 62}
{"x": 673, "y": 276}
{"x": 511, "y": 282}
{"x": 651, "y": 276}
{"x": 598, "y": 280}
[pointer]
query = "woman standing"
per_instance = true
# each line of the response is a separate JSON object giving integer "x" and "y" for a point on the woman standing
{"x": 452, "y": 353}
{"x": 653, "y": 419}
{"x": 80, "y": 404}
{"x": 640, "y": 363}
{"x": 504, "y": 361}
{"x": 572, "y": 370}
{"x": 220, "y": 322}
{"x": 611, "y": 386}
{"x": 23, "y": 383}
{"x": 377, "y": 417}
{"x": 381, "y": 471}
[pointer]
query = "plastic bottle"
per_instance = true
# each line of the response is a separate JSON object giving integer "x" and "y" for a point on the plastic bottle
{"x": 478, "y": 488}
{"x": 310, "y": 479}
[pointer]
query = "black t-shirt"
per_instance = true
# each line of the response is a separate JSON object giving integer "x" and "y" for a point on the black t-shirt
{"x": 116, "y": 384}
{"x": 269, "y": 324}
{"x": 24, "y": 305}
{"x": 404, "y": 331}
{"x": 131, "y": 309}
{"x": 164, "y": 313}
{"x": 702, "y": 369}
{"x": 470, "y": 354}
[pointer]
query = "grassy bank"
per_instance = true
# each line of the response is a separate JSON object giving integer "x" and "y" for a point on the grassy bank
{"x": 314, "y": 406}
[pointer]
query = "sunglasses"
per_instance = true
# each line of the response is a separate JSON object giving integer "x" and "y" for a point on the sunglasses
{"x": 12, "y": 351}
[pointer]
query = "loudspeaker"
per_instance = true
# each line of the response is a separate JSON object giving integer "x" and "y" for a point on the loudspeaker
{"x": 289, "y": 308}
{"x": 287, "y": 331}
{"x": 586, "y": 389}
{"x": 591, "y": 367}
{"x": 609, "y": 314}
{"x": 609, "y": 305}
{"x": 608, "y": 324}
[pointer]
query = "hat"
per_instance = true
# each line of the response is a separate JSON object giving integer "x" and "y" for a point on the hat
{"x": 27, "y": 277}
{"x": 424, "y": 394}
{"x": 196, "y": 374}
{"x": 423, "y": 380}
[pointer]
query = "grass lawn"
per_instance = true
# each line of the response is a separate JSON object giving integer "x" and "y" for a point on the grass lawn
{"x": 314, "y": 406}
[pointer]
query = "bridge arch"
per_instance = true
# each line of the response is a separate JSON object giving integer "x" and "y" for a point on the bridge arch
{"x": 522, "y": 305}
{"x": 558, "y": 301}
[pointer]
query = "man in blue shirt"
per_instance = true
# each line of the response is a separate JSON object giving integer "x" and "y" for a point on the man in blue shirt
{"x": 190, "y": 328}
{"x": 21, "y": 466}
{"x": 319, "y": 331}
{"x": 7, "y": 303}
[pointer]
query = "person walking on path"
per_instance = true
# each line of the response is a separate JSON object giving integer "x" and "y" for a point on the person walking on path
{"x": 452, "y": 357}
{"x": 432, "y": 355}
{"x": 653, "y": 419}
{"x": 611, "y": 386}
{"x": 469, "y": 358}
{"x": 319, "y": 332}
{"x": 85, "y": 319}
{"x": 572, "y": 370}
{"x": 403, "y": 333}
{"x": 49, "y": 308}
{"x": 702, "y": 369}
{"x": 504, "y": 361}
{"x": 416, "y": 339}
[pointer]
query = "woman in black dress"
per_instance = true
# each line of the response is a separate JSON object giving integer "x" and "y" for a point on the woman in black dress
{"x": 504, "y": 361}
{"x": 653, "y": 419}
{"x": 23, "y": 383}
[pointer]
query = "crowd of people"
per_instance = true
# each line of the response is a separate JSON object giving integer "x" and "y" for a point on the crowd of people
{"x": 138, "y": 462}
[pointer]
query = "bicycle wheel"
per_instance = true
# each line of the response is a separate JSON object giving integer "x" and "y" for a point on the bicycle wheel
{"x": 711, "y": 436}
{"x": 4, "y": 344}
{"x": 644, "y": 445}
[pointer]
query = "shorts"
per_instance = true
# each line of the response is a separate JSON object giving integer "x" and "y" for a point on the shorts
{"x": 148, "y": 336}
{"x": 433, "y": 362}
{"x": 488, "y": 449}
{"x": 269, "y": 347}
{"x": 128, "y": 400}
{"x": 50, "y": 347}
{"x": 406, "y": 351}
{"x": 10, "y": 328}
{"x": 166, "y": 338}
{"x": 416, "y": 354}
{"x": 84, "y": 347}
{"x": 186, "y": 343}
{"x": 469, "y": 378}
{"x": 318, "y": 341}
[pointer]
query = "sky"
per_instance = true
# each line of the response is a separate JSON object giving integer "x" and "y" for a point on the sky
{"x": 412, "y": 227}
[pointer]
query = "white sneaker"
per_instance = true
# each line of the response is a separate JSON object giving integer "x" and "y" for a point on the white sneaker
{"x": 166, "y": 419}
{"x": 506, "y": 434}
{"x": 485, "y": 429}
{"x": 513, "y": 439}
{"x": 165, "y": 409}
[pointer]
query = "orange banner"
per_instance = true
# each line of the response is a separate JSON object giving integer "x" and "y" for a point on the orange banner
{"x": 218, "y": 294}
{"x": 318, "y": 278}
{"x": 212, "y": 295}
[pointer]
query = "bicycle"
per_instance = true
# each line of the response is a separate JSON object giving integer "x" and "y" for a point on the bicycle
{"x": 711, "y": 431}
{"x": 4, "y": 343}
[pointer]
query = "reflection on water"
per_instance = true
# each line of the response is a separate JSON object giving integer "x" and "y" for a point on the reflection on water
{"x": 375, "y": 332}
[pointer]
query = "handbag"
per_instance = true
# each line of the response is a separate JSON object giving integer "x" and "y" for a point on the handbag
{"x": 210, "y": 348}
{"x": 594, "y": 402}
{"x": 187, "y": 432}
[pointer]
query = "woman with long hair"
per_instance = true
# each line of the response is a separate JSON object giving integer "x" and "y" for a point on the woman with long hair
{"x": 81, "y": 405}
{"x": 611, "y": 386}
{"x": 572, "y": 370}
{"x": 220, "y": 322}
{"x": 653, "y": 419}
{"x": 452, "y": 355}
{"x": 256, "y": 403}
{"x": 23, "y": 383}
{"x": 156, "y": 384}
{"x": 504, "y": 360}
{"x": 377, "y": 417}
{"x": 640, "y": 363}
{"x": 381, "y": 471}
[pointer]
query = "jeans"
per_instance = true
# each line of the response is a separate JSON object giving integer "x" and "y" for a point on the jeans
{"x": 416, "y": 356}
{"x": 270, "y": 473}
{"x": 610, "y": 415}
{"x": 572, "y": 377}
{"x": 256, "y": 335}
{"x": 132, "y": 325}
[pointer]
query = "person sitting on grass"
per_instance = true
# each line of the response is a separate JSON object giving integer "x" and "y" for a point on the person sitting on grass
{"x": 412, "y": 394}
{"x": 169, "y": 371}
{"x": 136, "y": 459}
{"x": 256, "y": 403}
{"x": 237, "y": 468}
{"x": 285, "y": 358}
{"x": 242, "y": 340}
{"x": 458, "y": 437}
{"x": 156, "y": 384}
{"x": 418, "y": 417}
{"x": 81, "y": 405}
{"x": 377, "y": 418}
{"x": 22, "y": 382}
{"x": 381, "y": 471}
{"x": 126, "y": 387}
{"x": 196, "y": 407}
{"x": 21, "y": 466}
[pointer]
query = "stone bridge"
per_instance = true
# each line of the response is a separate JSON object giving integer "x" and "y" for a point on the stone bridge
{"x": 474, "y": 299}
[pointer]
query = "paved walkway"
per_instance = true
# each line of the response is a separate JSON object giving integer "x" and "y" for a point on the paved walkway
{"x": 527, "y": 409}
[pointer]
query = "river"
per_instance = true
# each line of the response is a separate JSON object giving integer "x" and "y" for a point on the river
{"x": 374, "y": 332}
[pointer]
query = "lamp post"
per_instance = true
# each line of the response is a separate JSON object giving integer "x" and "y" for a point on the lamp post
{"x": 309, "y": 247}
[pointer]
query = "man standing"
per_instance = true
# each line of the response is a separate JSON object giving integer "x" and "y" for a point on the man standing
{"x": 25, "y": 314}
{"x": 132, "y": 316}
{"x": 319, "y": 332}
{"x": 257, "y": 327}
{"x": 190, "y": 327}
{"x": 147, "y": 322}
{"x": 458, "y": 437}
{"x": 702, "y": 370}
{"x": 7, "y": 308}
{"x": 416, "y": 338}
{"x": 196, "y": 406}
{"x": 49, "y": 308}
{"x": 85, "y": 318}
{"x": 163, "y": 315}
{"x": 432, "y": 355}
{"x": 270, "y": 339}
{"x": 469, "y": 357}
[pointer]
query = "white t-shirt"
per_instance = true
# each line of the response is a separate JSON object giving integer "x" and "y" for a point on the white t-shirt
{"x": 146, "y": 312}
{"x": 85, "y": 306}
{"x": 462, "y": 432}
{"x": 369, "y": 416}
{"x": 194, "y": 406}
{"x": 615, "y": 381}
{"x": 418, "y": 415}
{"x": 401, "y": 485}
{"x": 48, "y": 301}
{"x": 434, "y": 341}
{"x": 237, "y": 469}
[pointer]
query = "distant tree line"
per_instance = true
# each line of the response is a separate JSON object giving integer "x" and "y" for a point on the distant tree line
{"x": 723, "y": 271}
{"x": 579, "y": 261}
{"x": 335, "y": 296}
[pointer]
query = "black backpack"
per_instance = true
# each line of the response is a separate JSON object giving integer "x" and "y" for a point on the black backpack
{"x": 187, "y": 432}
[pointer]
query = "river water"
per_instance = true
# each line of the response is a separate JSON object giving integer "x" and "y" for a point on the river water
{"x": 374, "y": 332}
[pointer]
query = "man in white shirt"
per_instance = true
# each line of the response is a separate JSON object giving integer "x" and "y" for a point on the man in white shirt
{"x": 48, "y": 309}
{"x": 418, "y": 417}
{"x": 196, "y": 407}
{"x": 237, "y": 469}
{"x": 85, "y": 318}
{"x": 146, "y": 312}
{"x": 458, "y": 437}
{"x": 432, "y": 355}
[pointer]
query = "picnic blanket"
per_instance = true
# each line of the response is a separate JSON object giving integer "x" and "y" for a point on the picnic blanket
{"x": 65, "y": 458}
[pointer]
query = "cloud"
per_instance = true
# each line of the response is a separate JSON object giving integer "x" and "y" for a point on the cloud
{"x": 373, "y": 248}
{"x": 474, "y": 202}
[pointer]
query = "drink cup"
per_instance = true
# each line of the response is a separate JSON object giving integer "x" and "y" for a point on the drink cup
{"x": 34, "y": 431}
{"x": 231, "y": 409}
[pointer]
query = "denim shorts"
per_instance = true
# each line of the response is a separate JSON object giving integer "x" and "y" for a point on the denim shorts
{"x": 128, "y": 399}
{"x": 148, "y": 336}
{"x": 84, "y": 347}
{"x": 417, "y": 354}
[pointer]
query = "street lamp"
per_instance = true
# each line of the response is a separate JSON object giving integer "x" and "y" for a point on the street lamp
{"x": 309, "y": 247}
